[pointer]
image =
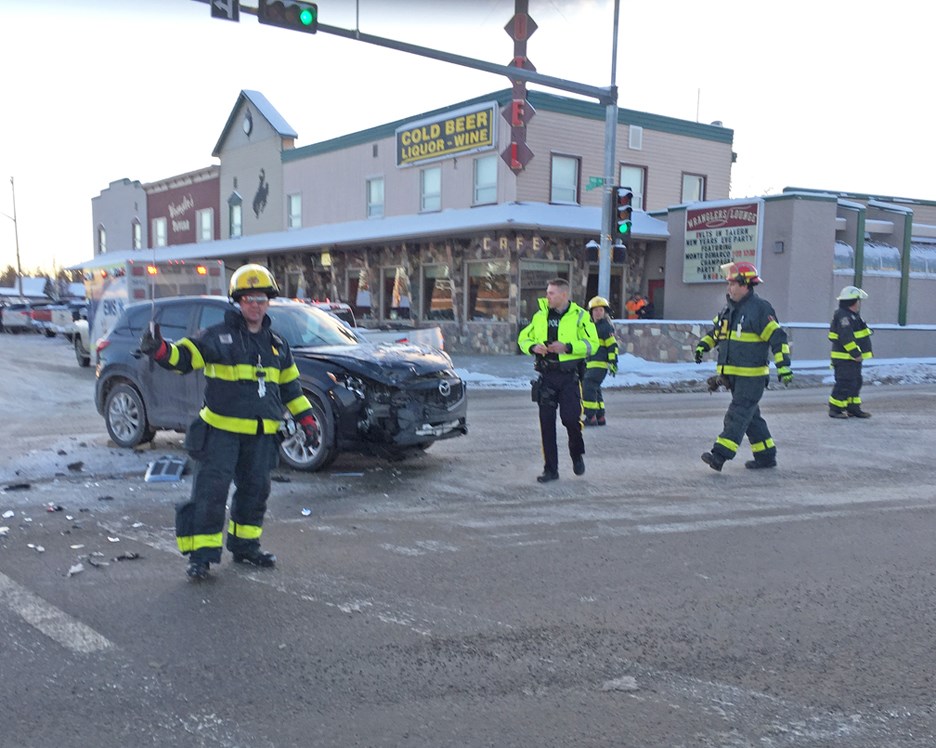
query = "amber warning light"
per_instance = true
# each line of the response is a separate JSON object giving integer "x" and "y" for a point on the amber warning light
{"x": 201, "y": 270}
{"x": 151, "y": 269}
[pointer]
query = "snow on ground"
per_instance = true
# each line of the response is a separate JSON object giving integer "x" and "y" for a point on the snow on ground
{"x": 515, "y": 372}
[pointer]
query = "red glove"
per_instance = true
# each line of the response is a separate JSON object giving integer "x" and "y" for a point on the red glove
{"x": 311, "y": 430}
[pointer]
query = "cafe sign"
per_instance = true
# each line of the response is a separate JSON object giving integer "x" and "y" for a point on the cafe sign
{"x": 720, "y": 233}
{"x": 456, "y": 133}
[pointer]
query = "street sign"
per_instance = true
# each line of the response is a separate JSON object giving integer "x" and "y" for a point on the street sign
{"x": 594, "y": 183}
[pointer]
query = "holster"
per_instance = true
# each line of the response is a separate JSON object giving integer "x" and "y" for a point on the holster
{"x": 536, "y": 387}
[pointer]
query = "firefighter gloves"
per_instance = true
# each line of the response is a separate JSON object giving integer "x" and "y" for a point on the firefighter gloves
{"x": 152, "y": 343}
{"x": 785, "y": 375}
{"x": 311, "y": 430}
{"x": 699, "y": 353}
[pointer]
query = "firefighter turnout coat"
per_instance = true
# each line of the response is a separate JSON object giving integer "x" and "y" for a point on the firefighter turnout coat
{"x": 744, "y": 332}
{"x": 850, "y": 336}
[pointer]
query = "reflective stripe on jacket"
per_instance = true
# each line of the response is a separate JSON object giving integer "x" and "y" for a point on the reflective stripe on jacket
{"x": 606, "y": 355}
{"x": 850, "y": 336}
{"x": 744, "y": 332}
{"x": 234, "y": 361}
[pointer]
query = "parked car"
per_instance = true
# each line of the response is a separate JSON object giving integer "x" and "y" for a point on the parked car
{"x": 389, "y": 400}
{"x": 17, "y": 318}
{"x": 65, "y": 315}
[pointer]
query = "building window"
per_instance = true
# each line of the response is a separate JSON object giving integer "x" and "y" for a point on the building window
{"x": 488, "y": 291}
{"x": 693, "y": 188}
{"x": 204, "y": 221}
{"x": 101, "y": 240}
{"x": 534, "y": 276}
{"x": 136, "y": 235}
{"x": 485, "y": 180}
{"x": 430, "y": 189}
{"x": 635, "y": 138}
{"x": 564, "y": 180}
{"x": 375, "y": 197}
{"x": 437, "y": 293}
{"x": 235, "y": 215}
{"x": 396, "y": 299}
{"x": 159, "y": 232}
{"x": 634, "y": 177}
{"x": 294, "y": 211}
{"x": 359, "y": 295}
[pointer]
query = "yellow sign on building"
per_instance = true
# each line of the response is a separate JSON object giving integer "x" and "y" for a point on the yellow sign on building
{"x": 464, "y": 131}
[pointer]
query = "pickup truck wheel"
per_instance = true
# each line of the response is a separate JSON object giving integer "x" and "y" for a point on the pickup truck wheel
{"x": 84, "y": 359}
{"x": 125, "y": 417}
{"x": 49, "y": 333}
{"x": 298, "y": 456}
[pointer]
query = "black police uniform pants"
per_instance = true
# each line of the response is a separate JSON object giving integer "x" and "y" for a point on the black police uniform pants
{"x": 591, "y": 391}
{"x": 246, "y": 459}
{"x": 560, "y": 390}
{"x": 742, "y": 418}
{"x": 847, "y": 388}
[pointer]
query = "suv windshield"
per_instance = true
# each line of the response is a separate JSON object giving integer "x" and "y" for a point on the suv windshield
{"x": 302, "y": 326}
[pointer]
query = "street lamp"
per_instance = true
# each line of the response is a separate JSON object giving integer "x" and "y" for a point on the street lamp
{"x": 19, "y": 272}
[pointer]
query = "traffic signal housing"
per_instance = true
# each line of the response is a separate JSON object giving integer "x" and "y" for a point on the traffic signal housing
{"x": 289, "y": 14}
{"x": 623, "y": 207}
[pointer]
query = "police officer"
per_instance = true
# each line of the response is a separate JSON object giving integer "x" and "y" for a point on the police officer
{"x": 851, "y": 344}
{"x": 561, "y": 336}
{"x": 603, "y": 360}
{"x": 250, "y": 382}
{"x": 743, "y": 332}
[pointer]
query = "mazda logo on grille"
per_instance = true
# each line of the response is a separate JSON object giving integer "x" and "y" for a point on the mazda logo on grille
{"x": 445, "y": 389}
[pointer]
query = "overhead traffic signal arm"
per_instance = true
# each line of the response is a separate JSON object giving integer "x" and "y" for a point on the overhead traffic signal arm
{"x": 289, "y": 14}
{"x": 623, "y": 207}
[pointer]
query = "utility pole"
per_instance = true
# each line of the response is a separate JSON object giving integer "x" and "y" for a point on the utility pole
{"x": 19, "y": 272}
{"x": 610, "y": 166}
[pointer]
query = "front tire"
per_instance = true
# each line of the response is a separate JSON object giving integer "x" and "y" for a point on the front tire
{"x": 125, "y": 417}
{"x": 298, "y": 456}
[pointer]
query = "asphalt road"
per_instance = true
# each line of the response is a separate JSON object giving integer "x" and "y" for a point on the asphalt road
{"x": 453, "y": 601}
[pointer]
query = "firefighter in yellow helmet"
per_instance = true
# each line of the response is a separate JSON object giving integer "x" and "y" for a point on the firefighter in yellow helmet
{"x": 744, "y": 332}
{"x": 251, "y": 380}
{"x": 851, "y": 345}
{"x": 602, "y": 361}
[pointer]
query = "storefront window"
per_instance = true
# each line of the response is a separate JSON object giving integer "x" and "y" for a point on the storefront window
{"x": 534, "y": 275}
{"x": 397, "y": 299}
{"x": 359, "y": 296}
{"x": 488, "y": 291}
{"x": 437, "y": 293}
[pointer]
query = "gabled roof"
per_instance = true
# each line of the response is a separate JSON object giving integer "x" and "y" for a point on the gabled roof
{"x": 267, "y": 111}
{"x": 554, "y": 219}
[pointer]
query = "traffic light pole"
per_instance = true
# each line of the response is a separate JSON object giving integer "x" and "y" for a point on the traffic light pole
{"x": 611, "y": 179}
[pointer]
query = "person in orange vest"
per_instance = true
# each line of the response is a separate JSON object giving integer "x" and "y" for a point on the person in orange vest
{"x": 636, "y": 306}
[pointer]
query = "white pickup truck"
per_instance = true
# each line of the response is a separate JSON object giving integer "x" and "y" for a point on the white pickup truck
{"x": 402, "y": 334}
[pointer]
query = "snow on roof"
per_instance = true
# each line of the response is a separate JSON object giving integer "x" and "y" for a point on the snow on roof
{"x": 276, "y": 120}
{"x": 556, "y": 219}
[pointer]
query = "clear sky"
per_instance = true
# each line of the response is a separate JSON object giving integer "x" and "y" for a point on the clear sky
{"x": 825, "y": 94}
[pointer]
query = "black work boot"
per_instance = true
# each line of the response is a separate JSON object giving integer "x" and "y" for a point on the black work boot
{"x": 255, "y": 557}
{"x": 759, "y": 464}
{"x": 714, "y": 461}
{"x": 836, "y": 413}
{"x": 858, "y": 413}
{"x": 578, "y": 465}
{"x": 197, "y": 571}
{"x": 547, "y": 476}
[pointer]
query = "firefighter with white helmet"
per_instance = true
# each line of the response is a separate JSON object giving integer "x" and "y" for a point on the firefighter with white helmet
{"x": 851, "y": 345}
{"x": 251, "y": 380}
{"x": 744, "y": 332}
{"x": 602, "y": 361}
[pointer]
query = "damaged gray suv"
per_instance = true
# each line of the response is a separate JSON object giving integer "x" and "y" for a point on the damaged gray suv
{"x": 388, "y": 400}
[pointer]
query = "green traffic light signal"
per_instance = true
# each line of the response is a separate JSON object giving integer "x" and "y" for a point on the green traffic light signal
{"x": 297, "y": 15}
{"x": 307, "y": 16}
{"x": 624, "y": 197}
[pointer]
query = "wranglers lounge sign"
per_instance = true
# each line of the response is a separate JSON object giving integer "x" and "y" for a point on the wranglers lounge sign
{"x": 720, "y": 233}
{"x": 464, "y": 131}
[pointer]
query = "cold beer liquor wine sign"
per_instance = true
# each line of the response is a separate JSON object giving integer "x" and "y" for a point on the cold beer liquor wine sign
{"x": 719, "y": 233}
{"x": 457, "y": 133}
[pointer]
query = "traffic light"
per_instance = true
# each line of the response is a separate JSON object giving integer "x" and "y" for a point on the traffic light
{"x": 623, "y": 199}
{"x": 289, "y": 14}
